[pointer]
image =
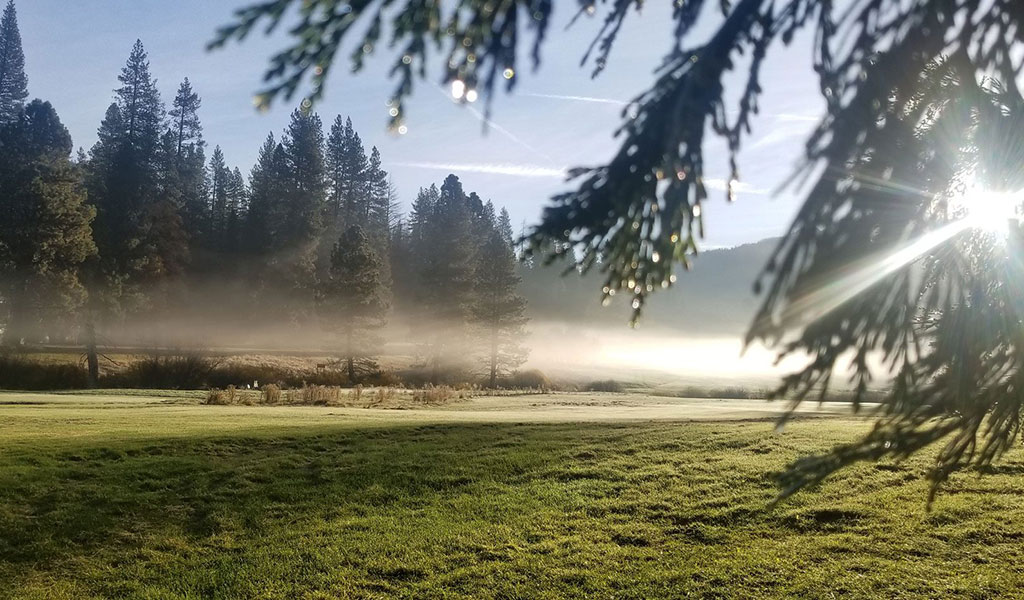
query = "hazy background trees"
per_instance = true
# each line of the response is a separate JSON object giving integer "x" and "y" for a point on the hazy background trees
{"x": 144, "y": 232}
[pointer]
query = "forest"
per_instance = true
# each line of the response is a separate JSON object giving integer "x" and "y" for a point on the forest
{"x": 152, "y": 232}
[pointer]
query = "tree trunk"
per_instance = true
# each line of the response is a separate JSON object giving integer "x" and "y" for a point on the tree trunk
{"x": 18, "y": 316}
{"x": 494, "y": 359}
{"x": 351, "y": 359}
{"x": 90, "y": 349}
{"x": 89, "y": 277}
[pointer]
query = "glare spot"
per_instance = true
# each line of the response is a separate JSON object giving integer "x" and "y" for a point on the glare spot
{"x": 508, "y": 73}
{"x": 989, "y": 211}
{"x": 471, "y": 96}
{"x": 458, "y": 89}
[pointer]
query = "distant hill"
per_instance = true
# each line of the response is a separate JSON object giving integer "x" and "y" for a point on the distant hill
{"x": 714, "y": 298}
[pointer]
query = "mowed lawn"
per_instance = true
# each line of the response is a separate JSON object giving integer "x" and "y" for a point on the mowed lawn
{"x": 136, "y": 497}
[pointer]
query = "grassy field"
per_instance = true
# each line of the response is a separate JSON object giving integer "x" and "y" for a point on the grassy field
{"x": 152, "y": 496}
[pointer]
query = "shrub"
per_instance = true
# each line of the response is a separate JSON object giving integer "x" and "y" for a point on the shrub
{"x": 320, "y": 395}
{"x": 270, "y": 394}
{"x": 21, "y": 373}
{"x": 607, "y": 385}
{"x": 533, "y": 379}
{"x": 175, "y": 372}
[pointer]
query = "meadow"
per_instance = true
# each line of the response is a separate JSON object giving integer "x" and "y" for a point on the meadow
{"x": 151, "y": 495}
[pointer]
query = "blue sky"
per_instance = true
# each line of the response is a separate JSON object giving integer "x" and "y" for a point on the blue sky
{"x": 75, "y": 48}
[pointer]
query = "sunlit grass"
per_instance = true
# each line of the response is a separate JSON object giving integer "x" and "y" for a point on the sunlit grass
{"x": 174, "y": 500}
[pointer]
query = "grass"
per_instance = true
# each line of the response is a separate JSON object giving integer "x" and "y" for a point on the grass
{"x": 146, "y": 497}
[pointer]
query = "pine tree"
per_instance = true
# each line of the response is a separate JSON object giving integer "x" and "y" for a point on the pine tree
{"x": 299, "y": 209}
{"x": 219, "y": 180}
{"x": 263, "y": 190}
{"x": 237, "y": 206}
{"x": 353, "y": 299}
{"x": 380, "y": 197}
{"x": 13, "y": 81}
{"x": 347, "y": 199}
{"x": 44, "y": 221}
{"x": 443, "y": 245}
{"x": 140, "y": 104}
{"x": 164, "y": 233}
{"x": 190, "y": 160}
{"x": 498, "y": 309}
{"x": 337, "y": 176}
{"x": 124, "y": 178}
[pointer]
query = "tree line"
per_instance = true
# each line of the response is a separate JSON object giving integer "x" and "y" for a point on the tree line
{"x": 133, "y": 227}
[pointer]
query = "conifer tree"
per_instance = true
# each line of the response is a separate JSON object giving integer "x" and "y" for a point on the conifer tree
{"x": 124, "y": 177}
{"x": 263, "y": 188}
{"x": 13, "y": 81}
{"x": 219, "y": 180}
{"x": 337, "y": 176}
{"x": 444, "y": 250}
{"x": 189, "y": 159}
{"x": 353, "y": 299}
{"x": 299, "y": 210}
{"x": 167, "y": 250}
{"x": 141, "y": 107}
{"x": 498, "y": 309}
{"x": 44, "y": 221}
{"x": 237, "y": 205}
{"x": 380, "y": 196}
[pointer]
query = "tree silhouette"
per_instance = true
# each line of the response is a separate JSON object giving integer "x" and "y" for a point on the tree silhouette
{"x": 13, "y": 81}
{"x": 44, "y": 221}
{"x": 922, "y": 107}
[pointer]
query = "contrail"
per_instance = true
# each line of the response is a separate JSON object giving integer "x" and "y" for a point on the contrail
{"x": 488, "y": 122}
{"x": 483, "y": 118}
{"x": 488, "y": 168}
{"x": 578, "y": 98}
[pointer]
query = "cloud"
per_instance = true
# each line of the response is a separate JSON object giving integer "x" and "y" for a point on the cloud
{"x": 578, "y": 98}
{"x": 514, "y": 170}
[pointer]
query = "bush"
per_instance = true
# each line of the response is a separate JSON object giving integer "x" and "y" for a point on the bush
{"x": 531, "y": 379}
{"x": 439, "y": 394}
{"x": 19, "y": 373}
{"x": 607, "y": 385}
{"x": 176, "y": 372}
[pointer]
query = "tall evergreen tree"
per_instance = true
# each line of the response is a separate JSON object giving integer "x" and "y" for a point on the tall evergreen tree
{"x": 44, "y": 221}
{"x": 164, "y": 231}
{"x": 263, "y": 189}
{"x": 353, "y": 299}
{"x": 124, "y": 174}
{"x": 443, "y": 246}
{"x": 189, "y": 159}
{"x": 140, "y": 104}
{"x": 236, "y": 207}
{"x": 13, "y": 81}
{"x": 380, "y": 200}
{"x": 498, "y": 309}
{"x": 298, "y": 209}
{"x": 218, "y": 183}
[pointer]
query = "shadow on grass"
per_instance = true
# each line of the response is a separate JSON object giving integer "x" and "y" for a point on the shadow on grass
{"x": 67, "y": 501}
{"x": 550, "y": 489}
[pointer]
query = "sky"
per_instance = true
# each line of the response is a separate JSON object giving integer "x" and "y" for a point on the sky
{"x": 558, "y": 117}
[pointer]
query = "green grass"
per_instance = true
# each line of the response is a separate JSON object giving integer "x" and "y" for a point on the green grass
{"x": 120, "y": 497}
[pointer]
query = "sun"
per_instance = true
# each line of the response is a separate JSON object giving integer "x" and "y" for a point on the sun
{"x": 990, "y": 211}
